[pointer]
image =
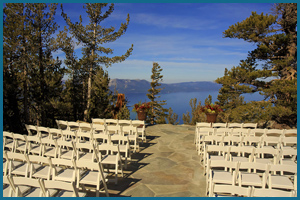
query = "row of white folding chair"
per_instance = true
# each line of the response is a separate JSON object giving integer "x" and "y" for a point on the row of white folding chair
{"x": 285, "y": 143}
{"x": 250, "y": 177}
{"x": 120, "y": 122}
{"x": 82, "y": 172}
{"x": 130, "y": 131}
{"x": 29, "y": 187}
{"x": 72, "y": 170}
{"x": 65, "y": 148}
{"x": 109, "y": 122}
{"x": 140, "y": 125}
{"x": 226, "y": 125}
{"x": 274, "y": 132}
{"x": 221, "y": 190}
{"x": 247, "y": 154}
{"x": 238, "y": 153}
{"x": 200, "y": 130}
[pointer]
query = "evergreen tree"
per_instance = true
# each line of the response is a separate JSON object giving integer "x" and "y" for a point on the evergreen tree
{"x": 73, "y": 94}
{"x": 32, "y": 77}
{"x": 45, "y": 71}
{"x": 102, "y": 97}
{"x": 93, "y": 36}
{"x": 172, "y": 117}
{"x": 276, "y": 39}
{"x": 156, "y": 113}
{"x": 14, "y": 67}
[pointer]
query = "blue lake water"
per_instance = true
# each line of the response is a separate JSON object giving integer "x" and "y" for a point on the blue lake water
{"x": 179, "y": 102}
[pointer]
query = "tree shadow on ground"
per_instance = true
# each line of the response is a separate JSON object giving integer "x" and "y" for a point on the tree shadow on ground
{"x": 124, "y": 183}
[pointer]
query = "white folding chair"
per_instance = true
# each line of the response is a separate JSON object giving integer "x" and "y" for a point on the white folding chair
{"x": 131, "y": 133}
{"x": 214, "y": 152}
{"x": 241, "y": 153}
{"x": 9, "y": 189}
{"x": 8, "y": 141}
{"x": 112, "y": 122}
{"x": 252, "y": 177}
{"x": 250, "y": 125}
{"x": 290, "y": 132}
{"x": 240, "y": 132}
{"x": 49, "y": 147}
{"x": 288, "y": 142}
{"x": 93, "y": 175}
{"x": 217, "y": 176}
{"x": 200, "y": 132}
{"x": 98, "y": 121}
{"x": 219, "y": 125}
{"x": 124, "y": 122}
{"x": 39, "y": 167}
{"x": 113, "y": 129}
{"x": 86, "y": 151}
{"x": 61, "y": 124}
{"x": 263, "y": 192}
{"x": 274, "y": 132}
{"x": 73, "y": 126}
{"x": 55, "y": 134}
{"x": 198, "y": 126}
{"x": 288, "y": 156}
{"x": 31, "y": 129}
{"x": 208, "y": 140}
{"x": 84, "y": 134}
{"x": 255, "y": 141}
{"x": 69, "y": 135}
{"x": 20, "y": 143}
{"x": 18, "y": 163}
{"x": 110, "y": 155}
{"x": 266, "y": 155}
{"x": 33, "y": 184}
{"x": 281, "y": 181}
{"x": 34, "y": 145}
{"x": 141, "y": 128}
{"x": 258, "y": 132}
{"x": 65, "y": 189}
{"x": 221, "y": 190}
{"x": 63, "y": 169}
{"x": 231, "y": 140}
{"x": 99, "y": 129}
{"x": 43, "y": 132}
{"x": 222, "y": 131}
{"x": 271, "y": 141}
{"x": 99, "y": 139}
{"x": 123, "y": 143}
{"x": 66, "y": 149}
{"x": 235, "y": 125}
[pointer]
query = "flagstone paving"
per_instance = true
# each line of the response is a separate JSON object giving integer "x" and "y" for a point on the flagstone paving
{"x": 166, "y": 166}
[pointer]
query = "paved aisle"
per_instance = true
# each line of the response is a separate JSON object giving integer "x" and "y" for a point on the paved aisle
{"x": 167, "y": 166}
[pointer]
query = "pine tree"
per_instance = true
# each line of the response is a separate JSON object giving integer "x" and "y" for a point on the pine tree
{"x": 93, "y": 36}
{"x": 102, "y": 97}
{"x": 45, "y": 73}
{"x": 32, "y": 77}
{"x": 157, "y": 113}
{"x": 172, "y": 117}
{"x": 276, "y": 39}
{"x": 14, "y": 67}
{"x": 73, "y": 94}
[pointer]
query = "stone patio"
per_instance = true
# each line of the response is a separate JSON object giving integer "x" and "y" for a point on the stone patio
{"x": 166, "y": 166}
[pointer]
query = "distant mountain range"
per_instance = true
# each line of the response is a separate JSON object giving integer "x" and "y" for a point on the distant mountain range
{"x": 141, "y": 86}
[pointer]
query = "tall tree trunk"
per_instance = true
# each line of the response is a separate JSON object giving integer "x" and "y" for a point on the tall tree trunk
{"x": 41, "y": 66}
{"x": 89, "y": 92}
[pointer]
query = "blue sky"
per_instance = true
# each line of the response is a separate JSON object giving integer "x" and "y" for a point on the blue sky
{"x": 185, "y": 39}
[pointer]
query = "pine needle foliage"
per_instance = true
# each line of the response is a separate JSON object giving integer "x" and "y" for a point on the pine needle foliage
{"x": 275, "y": 37}
{"x": 93, "y": 36}
{"x": 157, "y": 113}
